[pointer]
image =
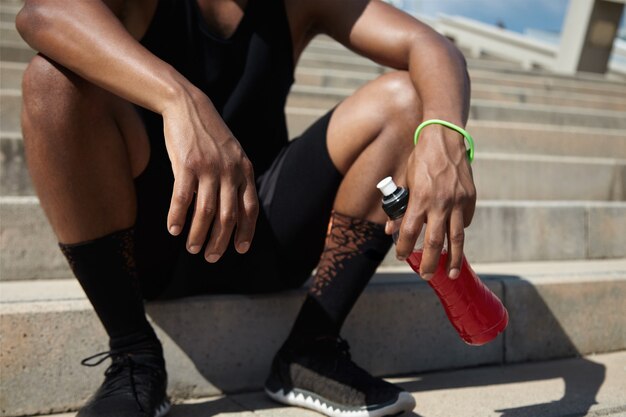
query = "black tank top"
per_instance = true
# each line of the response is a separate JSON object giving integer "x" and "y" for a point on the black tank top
{"x": 247, "y": 76}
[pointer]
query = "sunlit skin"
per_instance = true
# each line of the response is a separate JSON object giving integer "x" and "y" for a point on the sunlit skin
{"x": 85, "y": 142}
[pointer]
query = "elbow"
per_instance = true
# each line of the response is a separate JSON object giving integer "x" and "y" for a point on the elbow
{"x": 30, "y": 19}
{"x": 456, "y": 53}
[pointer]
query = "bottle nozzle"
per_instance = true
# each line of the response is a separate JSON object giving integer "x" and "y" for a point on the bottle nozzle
{"x": 387, "y": 186}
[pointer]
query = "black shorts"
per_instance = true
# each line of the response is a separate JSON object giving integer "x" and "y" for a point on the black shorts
{"x": 296, "y": 195}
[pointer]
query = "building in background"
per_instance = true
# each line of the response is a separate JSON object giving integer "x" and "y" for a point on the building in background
{"x": 558, "y": 35}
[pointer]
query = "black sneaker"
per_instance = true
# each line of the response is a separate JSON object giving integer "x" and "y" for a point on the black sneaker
{"x": 322, "y": 377}
{"x": 134, "y": 385}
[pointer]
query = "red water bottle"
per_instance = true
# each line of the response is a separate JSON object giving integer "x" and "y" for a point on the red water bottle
{"x": 475, "y": 312}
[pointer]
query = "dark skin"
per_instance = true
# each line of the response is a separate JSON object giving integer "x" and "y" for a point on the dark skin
{"x": 96, "y": 41}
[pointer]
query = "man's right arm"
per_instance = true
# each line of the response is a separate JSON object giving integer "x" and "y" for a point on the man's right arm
{"x": 87, "y": 37}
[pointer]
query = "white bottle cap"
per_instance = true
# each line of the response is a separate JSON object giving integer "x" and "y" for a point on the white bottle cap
{"x": 387, "y": 186}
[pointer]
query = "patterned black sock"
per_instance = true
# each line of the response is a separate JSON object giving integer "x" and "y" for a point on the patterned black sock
{"x": 105, "y": 268}
{"x": 353, "y": 250}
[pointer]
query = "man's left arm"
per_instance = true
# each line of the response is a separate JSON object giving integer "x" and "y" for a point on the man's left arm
{"x": 439, "y": 177}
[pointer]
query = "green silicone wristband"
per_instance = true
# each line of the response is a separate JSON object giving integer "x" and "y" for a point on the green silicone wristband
{"x": 467, "y": 136}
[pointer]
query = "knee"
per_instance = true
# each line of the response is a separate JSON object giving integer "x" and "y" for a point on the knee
{"x": 403, "y": 110}
{"x": 44, "y": 86}
{"x": 52, "y": 95}
{"x": 403, "y": 105}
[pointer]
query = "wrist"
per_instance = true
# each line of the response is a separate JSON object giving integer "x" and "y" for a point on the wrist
{"x": 176, "y": 93}
{"x": 451, "y": 136}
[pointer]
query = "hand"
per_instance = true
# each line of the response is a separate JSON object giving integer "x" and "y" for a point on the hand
{"x": 442, "y": 195}
{"x": 209, "y": 161}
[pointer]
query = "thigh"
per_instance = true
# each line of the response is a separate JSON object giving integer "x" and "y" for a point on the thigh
{"x": 297, "y": 195}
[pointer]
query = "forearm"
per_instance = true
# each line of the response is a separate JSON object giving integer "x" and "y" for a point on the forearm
{"x": 439, "y": 73}
{"x": 88, "y": 39}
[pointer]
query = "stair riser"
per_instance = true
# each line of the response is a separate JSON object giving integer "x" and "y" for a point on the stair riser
{"x": 499, "y": 233}
{"x": 395, "y": 328}
{"x": 544, "y": 140}
{"x": 495, "y": 178}
{"x": 11, "y": 75}
{"x": 298, "y": 121}
{"x": 324, "y": 100}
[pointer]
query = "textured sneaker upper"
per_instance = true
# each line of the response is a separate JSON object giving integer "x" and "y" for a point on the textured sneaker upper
{"x": 325, "y": 369}
{"x": 135, "y": 386}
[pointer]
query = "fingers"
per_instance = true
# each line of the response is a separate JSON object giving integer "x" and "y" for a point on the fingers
{"x": 204, "y": 213}
{"x": 410, "y": 230}
{"x": 456, "y": 237}
{"x": 182, "y": 195}
{"x": 433, "y": 245}
{"x": 389, "y": 227}
{"x": 223, "y": 223}
{"x": 246, "y": 217}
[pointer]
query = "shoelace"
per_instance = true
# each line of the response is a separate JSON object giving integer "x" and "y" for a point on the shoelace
{"x": 120, "y": 361}
{"x": 335, "y": 344}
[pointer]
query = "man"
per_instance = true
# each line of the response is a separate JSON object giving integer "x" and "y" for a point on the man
{"x": 156, "y": 140}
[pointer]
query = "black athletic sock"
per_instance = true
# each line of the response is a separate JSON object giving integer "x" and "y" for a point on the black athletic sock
{"x": 105, "y": 268}
{"x": 353, "y": 250}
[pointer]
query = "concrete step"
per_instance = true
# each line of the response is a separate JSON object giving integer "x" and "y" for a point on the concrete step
{"x": 487, "y": 82}
{"x": 15, "y": 51}
{"x": 547, "y": 97}
{"x": 18, "y": 51}
{"x": 8, "y": 12}
{"x": 591, "y": 386}
{"x": 334, "y": 50}
{"x": 302, "y": 117}
{"x": 299, "y": 118}
{"x": 544, "y": 114}
{"x": 303, "y": 95}
{"x": 550, "y": 84}
{"x": 566, "y": 313}
{"x": 8, "y": 32}
{"x": 536, "y": 177}
{"x": 518, "y": 231}
{"x": 498, "y": 176}
{"x": 357, "y": 63}
{"x": 524, "y": 138}
{"x": 11, "y": 109}
{"x": 14, "y": 177}
{"x": 500, "y": 231}
{"x": 11, "y": 74}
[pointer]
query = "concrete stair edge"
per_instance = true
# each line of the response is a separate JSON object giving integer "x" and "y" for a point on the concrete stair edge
{"x": 528, "y": 176}
{"x": 594, "y": 387}
{"x": 500, "y": 231}
{"x": 497, "y": 175}
{"x": 551, "y": 317}
{"x": 481, "y": 68}
{"x": 485, "y": 91}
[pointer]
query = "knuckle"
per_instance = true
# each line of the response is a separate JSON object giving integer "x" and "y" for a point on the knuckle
{"x": 248, "y": 169}
{"x": 408, "y": 233}
{"x": 228, "y": 217}
{"x": 252, "y": 208}
{"x": 230, "y": 165}
{"x": 434, "y": 242}
{"x": 183, "y": 196}
{"x": 443, "y": 200}
{"x": 457, "y": 237}
{"x": 471, "y": 195}
{"x": 206, "y": 209}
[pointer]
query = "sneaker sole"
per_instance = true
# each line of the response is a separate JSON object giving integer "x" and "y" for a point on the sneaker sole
{"x": 163, "y": 409}
{"x": 403, "y": 404}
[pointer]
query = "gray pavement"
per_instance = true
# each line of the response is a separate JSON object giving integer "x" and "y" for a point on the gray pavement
{"x": 590, "y": 386}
